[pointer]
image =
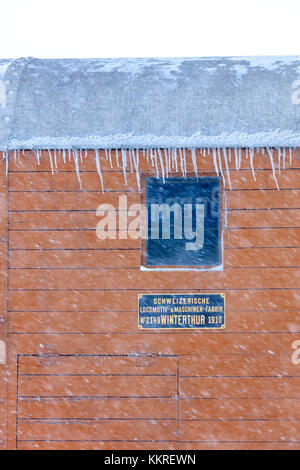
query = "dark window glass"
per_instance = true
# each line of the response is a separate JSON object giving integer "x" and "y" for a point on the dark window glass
{"x": 183, "y": 222}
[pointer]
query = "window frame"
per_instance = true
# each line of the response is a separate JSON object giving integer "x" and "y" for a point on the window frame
{"x": 218, "y": 267}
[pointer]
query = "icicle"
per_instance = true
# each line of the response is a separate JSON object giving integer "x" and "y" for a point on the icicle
{"x": 15, "y": 156}
{"x": 184, "y": 161}
{"x": 147, "y": 155}
{"x": 215, "y": 161}
{"x": 69, "y": 155}
{"x": 85, "y": 153}
{"x": 80, "y": 155}
{"x": 37, "y": 156}
{"x": 109, "y": 156}
{"x": 124, "y": 164}
{"x": 18, "y": 156}
{"x": 136, "y": 164}
{"x": 99, "y": 168}
{"x": 161, "y": 165}
{"x": 240, "y": 157}
{"x": 117, "y": 158}
{"x": 279, "y": 159}
{"x": 130, "y": 160}
{"x": 227, "y": 168}
{"x": 75, "y": 155}
{"x": 290, "y": 155}
{"x": 51, "y": 162}
{"x": 64, "y": 156}
{"x": 270, "y": 152}
{"x": 169, "y": 159}
{"x": 181, "y": 162}
{"x": 106, "y": 154}
{"x": 167, "y": 162}
{"x": 220, "y": 165}
{"x": 236, "y": 158}
{"x": 284, "y": 157}
{"x": 174, "y": 155}
{"x": 156, "y": 165}
{"x": 194, "y": 160}
{"x": 251, "y": 151}
{"x": 151, "y": 158}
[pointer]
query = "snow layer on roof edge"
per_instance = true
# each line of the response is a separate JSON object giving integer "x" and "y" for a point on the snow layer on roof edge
{"x": 234, "y": 140}
{"x": 10, "y": 75}
{"x": 155, "y": 102}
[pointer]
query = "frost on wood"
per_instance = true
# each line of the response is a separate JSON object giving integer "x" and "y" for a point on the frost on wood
{"x": 166, "y": 161}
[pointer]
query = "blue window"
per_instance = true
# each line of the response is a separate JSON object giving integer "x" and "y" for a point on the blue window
{"x": 184, "y": 226}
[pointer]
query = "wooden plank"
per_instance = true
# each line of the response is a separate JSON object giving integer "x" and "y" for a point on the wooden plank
{"x": 227, "y": 431}
{"x": 157, "y": 344}
{"x": 238, "y": 366}
{"x": 79, "y": 200}
{"x": 108, "y": 279}
{"x": 110, "y": 430}
{"x": 69, "y": 239}
{"x": 233, "y": 258}
{"x": 263, "y": 257}
{"x": 60, "y": 181}
{"x": 248, "y": 387}
{"x": 264, "y": 320}
{"x": 95, "y": 445}
{"x": 288, "y": 237}
{"x": 113, "y": 386}
{"x": 87, "y": 239}
{"x": 114, "y": 180}
{"x": 243, "y": 408}
{"x": 82, "y": 301}
{"x": 53, "y": 220}
{"x": 65, "y": 220}
{"x": 263, "y": 218}
{"x": 75, "y": 259}
{"x": 98, "y": 365}
{"x": 250, "y": 445}
{"x": 88, "y": 220}
{"x": 73, "y": 322}
{"x": 118, "y": 322}
{"x": 108, "y": 408}
{"x": 261, "y": 199}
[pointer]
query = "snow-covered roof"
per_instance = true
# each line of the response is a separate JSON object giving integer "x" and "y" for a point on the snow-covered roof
{"x": 150, "y": 103}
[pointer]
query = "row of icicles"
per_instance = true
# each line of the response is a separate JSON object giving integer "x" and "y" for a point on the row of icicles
{"x": 164, "y": 161}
